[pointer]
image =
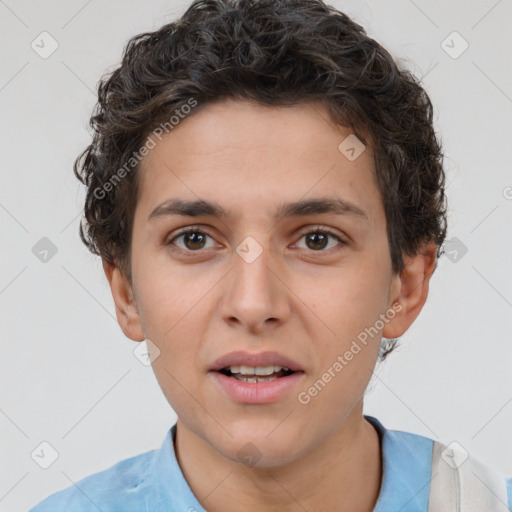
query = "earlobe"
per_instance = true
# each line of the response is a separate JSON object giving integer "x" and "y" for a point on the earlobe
{"x": 126, "y": 308}
{"x": 410, "y": 290}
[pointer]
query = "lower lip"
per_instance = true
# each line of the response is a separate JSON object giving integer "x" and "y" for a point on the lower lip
{"x": 256, "y": 392}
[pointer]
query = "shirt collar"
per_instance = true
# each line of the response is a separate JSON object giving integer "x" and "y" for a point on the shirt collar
{"x": 170, "y": 489}
{"x": 406, "y": 470}
{"x": 405, "y": 485}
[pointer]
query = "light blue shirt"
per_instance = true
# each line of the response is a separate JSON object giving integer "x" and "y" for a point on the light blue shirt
{"x": 153, "y": 481}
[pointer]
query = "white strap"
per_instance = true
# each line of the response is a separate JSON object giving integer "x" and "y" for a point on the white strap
{"x": 460, "y": 483}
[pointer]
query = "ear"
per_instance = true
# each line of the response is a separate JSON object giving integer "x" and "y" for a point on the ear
{"x": 410, "y": 290}
{"x": 126, "y": 307}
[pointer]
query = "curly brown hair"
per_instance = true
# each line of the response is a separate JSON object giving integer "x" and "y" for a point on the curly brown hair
{"x": 275, "y": 52}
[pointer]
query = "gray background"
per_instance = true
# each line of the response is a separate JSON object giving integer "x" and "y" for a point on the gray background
{"x": 68, "y": 374}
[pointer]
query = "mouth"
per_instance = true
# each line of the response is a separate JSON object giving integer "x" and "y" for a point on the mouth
{"x": 256, "y": 378}
{"x": 256, "y": 374}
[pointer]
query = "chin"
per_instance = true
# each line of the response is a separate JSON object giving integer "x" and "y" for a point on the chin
{"x": 262, "y": 448}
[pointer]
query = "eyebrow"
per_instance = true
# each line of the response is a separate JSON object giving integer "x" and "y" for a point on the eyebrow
{"x": 202, "y": 208}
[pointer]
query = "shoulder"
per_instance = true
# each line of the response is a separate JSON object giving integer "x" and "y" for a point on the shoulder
{"x": 421, "y": 473}
{"x": 401, "y": 447}
{"x": 120, "y": 487}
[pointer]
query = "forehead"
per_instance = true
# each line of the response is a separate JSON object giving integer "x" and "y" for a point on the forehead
{"x": 238, "y": 152}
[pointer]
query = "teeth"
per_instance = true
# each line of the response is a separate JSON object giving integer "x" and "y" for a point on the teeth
{"x": 266, "y": 370}
{"x": 253, "y": 379}
{"x": 258, "y": 370}
{"x": 247, "y": 370}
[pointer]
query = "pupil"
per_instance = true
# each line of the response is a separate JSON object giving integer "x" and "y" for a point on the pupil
{"x": 310, "y": 237}
{"x": 188, "y": 237}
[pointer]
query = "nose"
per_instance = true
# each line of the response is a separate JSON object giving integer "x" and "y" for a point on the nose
{"x": 255, "y": 297}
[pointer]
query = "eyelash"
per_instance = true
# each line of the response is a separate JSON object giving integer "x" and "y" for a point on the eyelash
{"x": 196, "y": 229}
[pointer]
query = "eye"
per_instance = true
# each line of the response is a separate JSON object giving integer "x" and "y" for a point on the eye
{"x": 318, "y": 239}
{"x": 193, "y": 239}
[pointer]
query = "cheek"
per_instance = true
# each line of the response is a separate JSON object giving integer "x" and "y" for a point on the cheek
{"x": 348, "y": 301}
{"x": 165, "y": 314}
{"x": 167, "y": 297}
{"x": 172, "y": 322}
{"x": 348, "y": 349}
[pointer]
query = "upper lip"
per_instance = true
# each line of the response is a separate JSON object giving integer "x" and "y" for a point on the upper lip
{"x": 241, "y": 357}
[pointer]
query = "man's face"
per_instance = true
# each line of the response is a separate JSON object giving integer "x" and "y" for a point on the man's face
{"x": 254, "y": 282}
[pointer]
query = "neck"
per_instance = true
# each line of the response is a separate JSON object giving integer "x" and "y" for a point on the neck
{"x": 344, "y": 471}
